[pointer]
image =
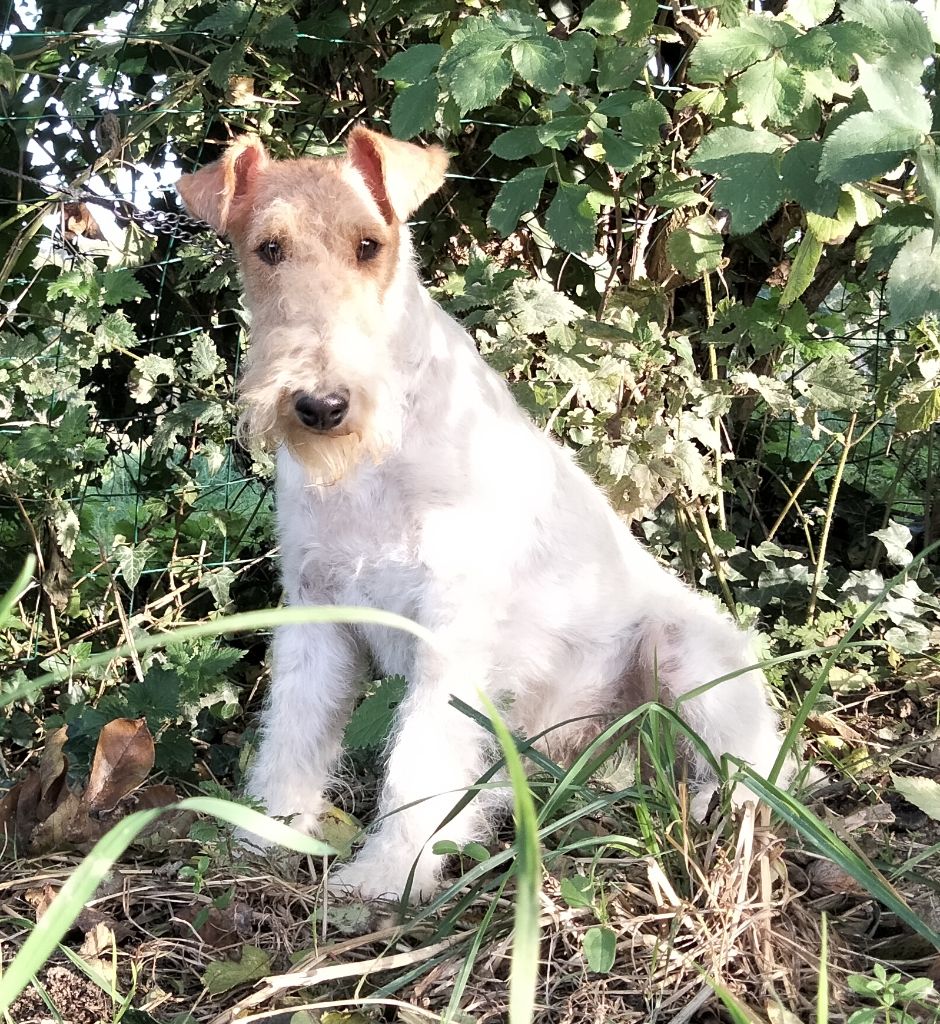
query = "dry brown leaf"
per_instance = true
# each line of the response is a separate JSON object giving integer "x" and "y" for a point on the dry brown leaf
{"x": 67, "y": 825}
{"x": 828, "y": 878}
{"x": 53, "y": 765}
{"x": 123, "y": 759}
{"x": 99, "y": 942}
{"x": 18, "y": 813}
{"x": 40, "y": 899}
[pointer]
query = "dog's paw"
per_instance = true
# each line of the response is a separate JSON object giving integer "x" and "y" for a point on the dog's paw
{"x": 372, "y": 878}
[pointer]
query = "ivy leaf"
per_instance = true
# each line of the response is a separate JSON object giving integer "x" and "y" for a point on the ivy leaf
{"x": 414, "y": 64}
{"x": 570, "y": 220}
{"x": 540, "y": 62}
{"x": 868, "y": 145}
{"x": 578, "y": 50}
{"x": 771, "y": 91}
{"x": 726, "y": 51}
{"x": 914, "y": 281}
{"x": 132, "y": 560}
{"x": 517, "y": 196}
{"x": 748, "y": 163}
{"x": 696, "y": 248}
{"x": 517, "y": 142}
{"x": 415, "y": 109}
{"x": 896, "y": 538}
{"x": 606, "y": 17}
{"x": 600, "y": 948}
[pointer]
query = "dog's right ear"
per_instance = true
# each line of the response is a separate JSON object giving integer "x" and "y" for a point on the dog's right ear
{"x": 213, "y": 193}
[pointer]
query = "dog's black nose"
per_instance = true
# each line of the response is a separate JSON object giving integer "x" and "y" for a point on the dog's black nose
{"x": 322, "y": 412}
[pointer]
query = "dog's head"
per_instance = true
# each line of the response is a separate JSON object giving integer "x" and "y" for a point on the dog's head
{"x": 325, "y": 261}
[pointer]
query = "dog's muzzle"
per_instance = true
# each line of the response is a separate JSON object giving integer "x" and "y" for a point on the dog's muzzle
{"x": 321, "y": 412}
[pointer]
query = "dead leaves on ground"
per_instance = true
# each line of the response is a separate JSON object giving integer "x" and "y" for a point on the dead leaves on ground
{"x": 45, "y": 812}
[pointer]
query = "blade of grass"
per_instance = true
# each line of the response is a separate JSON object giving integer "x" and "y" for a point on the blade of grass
{"x": 822, "y": 993}
{"x": 15, "y": 592}
{"x": 523, "y": 971}
{"x": 829, "y": 845}
{"x": 267, "y": 618}
{"x": 86, "y": 878}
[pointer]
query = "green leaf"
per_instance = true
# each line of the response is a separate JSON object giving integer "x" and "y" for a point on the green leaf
{"x": 119, "y": 286}
{"x": 803, "y": 268}
{"x": 709, "y": 101}
{"x": 7, "y": 73}
{"x": 517, "y": 196}
{"x": 888, "y": 90}
{"x": 771, "y": 91}
{"x": 223, "y": 975}
{"x": 920, "y": 414}
{"x": 832, "y": 385}
{"x": 799, "y": 170}
{"x": 414, "y": 64}
{"x": 132, "y": 560}
{"x": 726, "y": 51}
{"x": 901, "y": 27}
{"x": 619, "y": 66}
{"x": 696, "y": 248}
{"x": 414, "y": 109}
{"x": 570, "y": 220}
{"x": 280, "y": 33}
{"x": 867, "y": 145}
{"x": 577, "y": 891}
{"x": 808, "y": 13}
{"x": 896, "y": 538}
{"x": 914, "y": 281}
{"x": 370, "y": 723}
{"x": 606, "y": 17}
{"x": 557, "y": 133}
{"x": 600, "y": 948}
{"x": 923, "y": 793}
{"x": 115, "y": 332}
{"x": 540, "y": 62}
{"x": 517, "y": 142}
{"x": 578, "y": 50}
{"x": 475, "y": 69}
{"x": 204, "y": 360}
{"x": 750, "y": 187}
{"x": 928, "y": 177}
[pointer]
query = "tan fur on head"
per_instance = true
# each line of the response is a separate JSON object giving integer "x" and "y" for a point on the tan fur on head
{"x": 214, "y": 193}
{"x": 322, "y": 317}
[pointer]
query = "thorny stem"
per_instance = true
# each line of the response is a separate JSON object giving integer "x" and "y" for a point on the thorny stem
{"x": 830, "y": 510}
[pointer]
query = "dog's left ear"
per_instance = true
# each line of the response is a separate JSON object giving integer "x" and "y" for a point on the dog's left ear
{"x": 213, "y": 193}
{"x": 400, "y": 175}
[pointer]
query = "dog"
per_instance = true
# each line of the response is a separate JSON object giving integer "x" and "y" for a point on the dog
{"x": 408, "y": 479}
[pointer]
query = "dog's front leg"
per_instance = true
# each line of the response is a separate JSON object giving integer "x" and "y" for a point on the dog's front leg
{"x": 313, "y": 684}
{"x": 436, "y": 755}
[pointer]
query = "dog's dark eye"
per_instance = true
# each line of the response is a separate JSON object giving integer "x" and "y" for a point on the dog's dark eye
{"x": 368, "y": 249}
{"x": 270, "y": 252}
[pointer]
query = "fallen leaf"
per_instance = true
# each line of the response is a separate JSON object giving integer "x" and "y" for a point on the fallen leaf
{"x": 99, "y": 942}
{"x": 123, "y": 759}
{"x": 40, "y": 899}
{"x": 923, "y": 793}
{"x": 223, "y": 975}
{"x": 65, "y": 826}
{"x": 18, "y": 812}
{"x": 339, "y": 829}
{"x": 828, "y": 878}
{"x": 53, "y": 769}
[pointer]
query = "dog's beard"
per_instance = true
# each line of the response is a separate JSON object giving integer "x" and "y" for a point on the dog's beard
{"x": 327, "y": 457}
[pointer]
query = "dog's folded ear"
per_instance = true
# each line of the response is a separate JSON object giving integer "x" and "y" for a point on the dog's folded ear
{"x": 399, "y": 175}
{"x": 214, "y": 193}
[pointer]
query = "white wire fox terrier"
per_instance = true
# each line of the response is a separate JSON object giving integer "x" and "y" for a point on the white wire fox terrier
{"x": 409, "y": 480}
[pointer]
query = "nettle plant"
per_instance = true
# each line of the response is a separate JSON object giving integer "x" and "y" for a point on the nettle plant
{"x": 731, "y": 223}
